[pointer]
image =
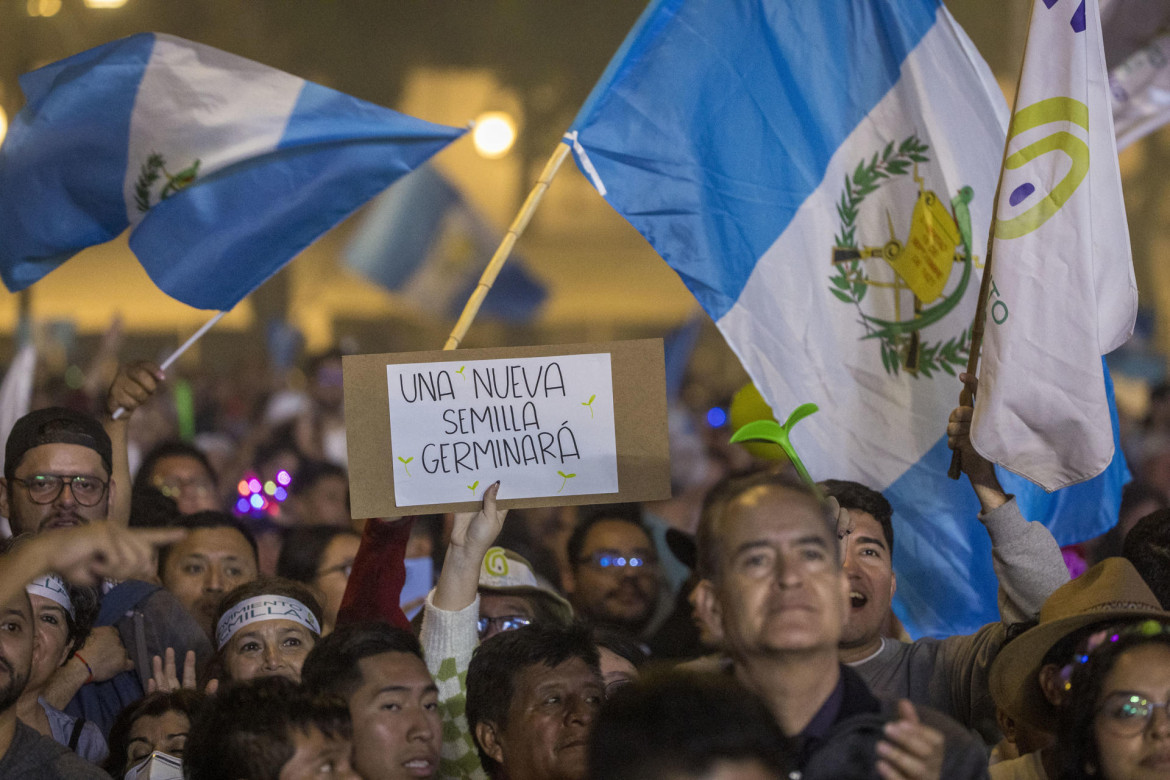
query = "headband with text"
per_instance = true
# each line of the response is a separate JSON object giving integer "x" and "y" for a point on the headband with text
{"x": 53, "y": 588}
{"x": 260, "y": 608}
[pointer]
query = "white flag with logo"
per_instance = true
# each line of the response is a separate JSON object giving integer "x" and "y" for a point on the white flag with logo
{"x": 1063, "y": 291}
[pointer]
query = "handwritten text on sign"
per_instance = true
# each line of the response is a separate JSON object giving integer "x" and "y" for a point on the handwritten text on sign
{"x": 542, "y": 426}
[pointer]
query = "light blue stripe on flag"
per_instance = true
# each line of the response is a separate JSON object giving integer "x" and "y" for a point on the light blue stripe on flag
{"x": 66, "y": 167}
{"x": 925, "y": 545}
{"x": 745, "y": 131}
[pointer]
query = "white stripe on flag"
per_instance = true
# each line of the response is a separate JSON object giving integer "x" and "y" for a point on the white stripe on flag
{"x": 196, "y": 103}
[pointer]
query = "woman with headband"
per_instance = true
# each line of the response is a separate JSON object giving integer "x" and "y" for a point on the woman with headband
{"x": 63, "y": 616}
{"x": 266, "y": 628}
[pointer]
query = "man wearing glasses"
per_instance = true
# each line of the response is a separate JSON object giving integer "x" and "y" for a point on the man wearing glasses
{"x": 56, "y": 471}
{"x": 613, "y": 578}
{"x": 57, "y": 474}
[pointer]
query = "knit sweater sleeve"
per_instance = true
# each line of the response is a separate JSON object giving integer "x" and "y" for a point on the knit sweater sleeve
{"x": 448, "y": 639}
{"x": 1027, "y": 561}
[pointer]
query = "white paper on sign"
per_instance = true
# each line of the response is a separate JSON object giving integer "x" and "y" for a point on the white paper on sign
{"x": 542, "y": 426}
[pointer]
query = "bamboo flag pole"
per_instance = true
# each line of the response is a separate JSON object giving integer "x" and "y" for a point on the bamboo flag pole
{"x": 175, "y": 355}
{"x": 505, "y": 249}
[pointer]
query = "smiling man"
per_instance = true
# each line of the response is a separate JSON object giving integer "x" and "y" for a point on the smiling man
{"x": 532, "y": 695}
{"x": 951, "y": 675}
{"x": 394, "y": 704}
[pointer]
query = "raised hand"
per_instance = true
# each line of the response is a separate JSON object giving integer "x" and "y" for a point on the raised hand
{"x": 911, "y": 750}
{"x": 86, "y": 554}
{"x": 134, "y": 385}
{"x": 478, "y": 530}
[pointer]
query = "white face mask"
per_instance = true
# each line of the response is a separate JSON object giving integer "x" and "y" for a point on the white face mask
{"x": 157, "y": 766}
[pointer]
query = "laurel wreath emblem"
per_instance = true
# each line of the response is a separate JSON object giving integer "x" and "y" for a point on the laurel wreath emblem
{"x": 149, "y": 174}
{"x": 850, "y": 282}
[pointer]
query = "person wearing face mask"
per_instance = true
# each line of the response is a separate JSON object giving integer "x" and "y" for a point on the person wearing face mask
{"x": 266, "y": 628}
{"x": 160, "y": 723}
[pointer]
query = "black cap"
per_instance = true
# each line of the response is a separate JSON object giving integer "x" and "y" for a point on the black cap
{"x": 55, "y": 425}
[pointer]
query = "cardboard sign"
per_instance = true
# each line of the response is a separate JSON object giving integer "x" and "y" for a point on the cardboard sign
{"x": 570, "y": 424}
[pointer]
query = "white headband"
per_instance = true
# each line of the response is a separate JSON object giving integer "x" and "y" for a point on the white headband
{"x": 259, "y": 608}
{"x": 53, "y": 588}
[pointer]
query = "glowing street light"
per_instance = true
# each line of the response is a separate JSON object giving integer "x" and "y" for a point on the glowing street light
{"x": 104, "y": 3}
{"x": 494, "y": 134}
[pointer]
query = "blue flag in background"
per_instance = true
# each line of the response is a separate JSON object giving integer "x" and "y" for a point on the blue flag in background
{"x": 223, "y": 168}
{"x": 422, "y": 239}
{"x": 821, "y": 176}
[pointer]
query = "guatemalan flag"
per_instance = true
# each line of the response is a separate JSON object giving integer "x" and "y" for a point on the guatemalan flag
{"x": 224, "y": 168}
{"x": 821, "y": 176}
{"x": 423, "y": 240}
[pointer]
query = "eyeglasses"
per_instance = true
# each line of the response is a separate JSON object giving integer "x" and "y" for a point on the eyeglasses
{"x": 610, "y": 559}
{"x": 1128, "y": 714}
{"x": 45, "y": 488}
{"x": 502, "y": 623}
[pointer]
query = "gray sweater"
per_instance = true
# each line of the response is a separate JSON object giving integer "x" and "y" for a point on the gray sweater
{"x": 951, "y": 674}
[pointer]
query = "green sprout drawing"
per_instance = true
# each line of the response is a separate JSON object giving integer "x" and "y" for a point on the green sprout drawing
{"x": 772, "y": 431}
{"x": 406, "y": 461}
{"x": 567, "y": 477}
{"x": 460, "y": 373}
{"x": 589, "y": 403}
{"x": 473, "y": 486}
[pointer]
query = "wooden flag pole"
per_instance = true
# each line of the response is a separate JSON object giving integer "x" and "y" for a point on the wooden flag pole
{"x": 505, "y": 249}
{"x": 175, "y": 355}
{"x": 965, "y": 396}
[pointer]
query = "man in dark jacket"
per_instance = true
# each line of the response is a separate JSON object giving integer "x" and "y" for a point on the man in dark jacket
{"x": 775, "y": 587}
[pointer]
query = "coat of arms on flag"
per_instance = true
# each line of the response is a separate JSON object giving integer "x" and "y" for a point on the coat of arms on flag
{"x": 915, "y": 268}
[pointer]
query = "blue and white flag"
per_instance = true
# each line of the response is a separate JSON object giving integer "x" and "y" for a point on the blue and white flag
{"x": 830, "y": 213}
{"x": 423, "y": 240}
{"x": 224, "y": 168}
{"x": 1063, "y": 292}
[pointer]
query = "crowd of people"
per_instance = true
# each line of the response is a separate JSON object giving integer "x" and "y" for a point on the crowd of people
{"x": 207, "y": 608}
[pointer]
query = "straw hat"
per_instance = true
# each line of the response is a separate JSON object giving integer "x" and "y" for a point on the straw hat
{"x": 504, "y": 571}
{"x": 1110, "y": 592}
